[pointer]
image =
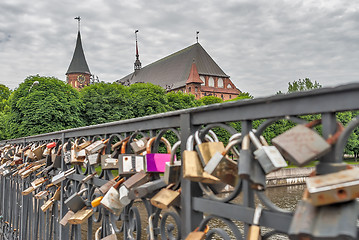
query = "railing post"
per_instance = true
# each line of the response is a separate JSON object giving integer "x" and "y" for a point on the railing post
{"x": 190, "y": 218}
{"x": 64, "y": 230}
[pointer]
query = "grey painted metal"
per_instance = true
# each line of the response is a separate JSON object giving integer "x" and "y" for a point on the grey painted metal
{"x": 21, "y": 217}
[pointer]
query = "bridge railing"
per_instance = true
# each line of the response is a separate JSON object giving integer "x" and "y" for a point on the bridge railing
{"x": 21, "y": 216}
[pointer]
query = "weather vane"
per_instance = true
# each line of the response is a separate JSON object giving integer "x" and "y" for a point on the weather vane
{"x": 197, "y": 36}
{"x": 78, "y": 18}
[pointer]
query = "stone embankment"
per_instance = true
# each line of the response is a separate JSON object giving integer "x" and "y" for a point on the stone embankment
{"x": 290, "y": 176}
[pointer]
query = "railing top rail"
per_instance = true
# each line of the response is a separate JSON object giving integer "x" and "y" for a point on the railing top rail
{"x": 341, "y": 98}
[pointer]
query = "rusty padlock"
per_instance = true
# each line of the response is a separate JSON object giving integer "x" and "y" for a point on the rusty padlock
{"x": 173, "y": 168}
{"x": 95, "y": 147}
{"x": 301, "y": 145}
{"x": 268, "y": 156}
{"x": 166, "y": 197}
{"x": 335, "y": 187}
{"x": 207, "y": 149}
{"x": 111, "y": 200}
{"x": 336, "y": 221}
{"x": 197, "y": 234}
{"x": 192, "y": 167}
{"x": 75, "y": 202}
{"x": 104, "y": 188}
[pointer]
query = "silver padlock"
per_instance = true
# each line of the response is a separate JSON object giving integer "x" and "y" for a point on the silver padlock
{"x": 62, "y": 176}
{"x": 140, "y": 145}
{"x": 173, "y": 168}
{"x": 268, "y": 156}
{"x": 75, "y": 202}
{"x": 146, "y": 190}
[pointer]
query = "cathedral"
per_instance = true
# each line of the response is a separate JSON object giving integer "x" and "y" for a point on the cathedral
{"x": 190, "y": 70}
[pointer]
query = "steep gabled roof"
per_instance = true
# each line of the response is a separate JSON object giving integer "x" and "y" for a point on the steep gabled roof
{"x": 173, "y": 71}
{"x": 78, "y": 63}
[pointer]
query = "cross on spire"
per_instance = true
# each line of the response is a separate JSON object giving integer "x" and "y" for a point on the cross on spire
{"x": 78, "y": 18}
{"x": 137, "y": 64}
{"x": 197, "y": 36}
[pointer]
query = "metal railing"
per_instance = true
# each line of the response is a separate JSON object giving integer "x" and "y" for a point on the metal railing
{"x": 22, "y": 218}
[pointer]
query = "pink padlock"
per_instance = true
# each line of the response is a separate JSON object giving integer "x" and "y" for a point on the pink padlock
{"x": 156, "y": 162}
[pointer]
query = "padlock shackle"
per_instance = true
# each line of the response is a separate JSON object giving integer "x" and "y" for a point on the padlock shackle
{"x": 255, "y": 140}
{"x": 173, "y": 152}
{"x": 152, "y": 140}
{"x": 189, "y": 143}
{"x": 332, "y": 139}
{"x": 118, "y": 144}
{"x": 235, "y": 136}
{"x": 82, "y": 191}
{"x": 123, "y": 147}
{"x": 230, "y": 145}
{"x": 196, "y": 138}
{"x": 246, "y": 142}
{"x": 119, "y": 183}
{"x": 213, "y": 135}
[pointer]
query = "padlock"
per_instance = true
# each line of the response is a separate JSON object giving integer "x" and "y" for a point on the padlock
{"x": 192, "y": 167}
{"x": 268, "y": 156}
{"x": 77, "y": 157}
{"x": 66, "y": 148}
{"x": 38, "y": 182}
{"x": 66, "y": 218}
{"x": 300, "y": 144}
{"x": 139, "y": 146}
{"x": 336, "y": 221}
{"x": 166, "y": 198}
{"x": 81, "y": 146}
{"x": 94, "y": 159}
{"x": 95, "y": 147}
{"x": 47, "y": 205}
{"x": 56, "y": 156}
{"x": 61, "y": 176}
{"x": 156, "y": 162}
{"x": 88, "y": 177}
{"x": 250, "y": 169}
{"x": 146, "y": 190}
{"x": 222, "y": 167}
{"x": 254, "y": 232}
{"x": 27, "y": 191}
{"x": 198, "y": 235}
{"x": 129, "y": 164}
{"x": 38, "y": 151}
{"x": 112, "y": 236}
{"x": 335, "y": 187}
{"x": 75, "y": 202}
{"x": 104, "y": 188}
{"x": 134, "y": 181}
{"x": 173, "y": 168}
{"x": 28, "y": 172}
{"x": 41, "y": 194}
{"x": 107, "y": 162}
{"x": 207, "y": 149}
{"x": 81, "y": 216}
{"x": 111, "y": 200}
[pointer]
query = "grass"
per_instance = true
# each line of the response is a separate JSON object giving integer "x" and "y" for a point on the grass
{"x": 350, "y": 161}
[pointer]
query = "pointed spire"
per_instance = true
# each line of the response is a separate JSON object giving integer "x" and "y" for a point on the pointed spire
{"x": 137, "y": 65}
{"x": 193, "y": 75}
{"x": 78, "y": 63}
{"x": 197, "y": 36}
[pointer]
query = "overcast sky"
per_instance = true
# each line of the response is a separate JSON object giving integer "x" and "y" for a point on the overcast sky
{"x": 262, "y": 45}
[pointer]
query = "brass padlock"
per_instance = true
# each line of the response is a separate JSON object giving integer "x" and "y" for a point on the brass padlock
{"x": 335, "y": 187}
{"x": 198, "y": 235}
{"x": 81, "y": 216}
{"x": 166, "y": 198}
{"x": 47, "y": 205}
{"x": 301, "y": 144}
{"x": 41, "y": 194}
{"x": 173, "y": 168}
{"x": 336, "y": 221}
{"x": 268, "y": 156}
{"x": 206, "y": 150}
{"x": 111, "y": 200}
{"x": 81, "y": 146}
{"x": 192, "y": 167}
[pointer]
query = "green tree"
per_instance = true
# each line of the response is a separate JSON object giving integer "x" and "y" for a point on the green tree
{"x": 105, "y": 102}
{"x": 4, "y": 96}
{"x": 49, "y": 106}
{"x": 303, "y": 85}
{"x": 207, "y": 100}
{"x": 243, "y": 95}
{"x": 180, "y": 100}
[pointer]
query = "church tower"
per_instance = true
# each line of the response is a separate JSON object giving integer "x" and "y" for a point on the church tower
{"x": 78, "y": 74}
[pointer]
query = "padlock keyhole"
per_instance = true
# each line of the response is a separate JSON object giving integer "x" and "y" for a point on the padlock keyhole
{"x": 342, "y": 194}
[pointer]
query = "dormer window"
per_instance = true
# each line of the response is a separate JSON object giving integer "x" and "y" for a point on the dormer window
{"x": 203, "y": 80}
{"x": 229, "y": 86}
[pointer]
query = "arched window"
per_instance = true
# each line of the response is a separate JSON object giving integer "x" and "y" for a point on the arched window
{"x": 196, "y": 89}
{"x": 229, "y": 86}
{"x": 220, "y": 83}
{"x": 211, "y": 82}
